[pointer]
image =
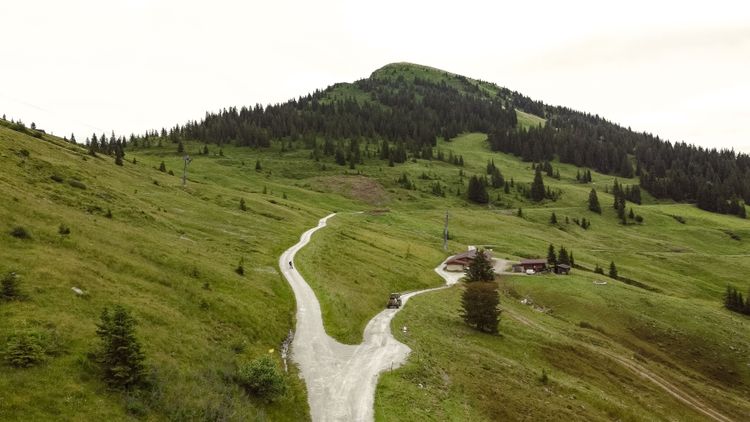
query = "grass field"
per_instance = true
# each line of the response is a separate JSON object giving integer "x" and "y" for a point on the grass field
{"x": 170, "y": 253}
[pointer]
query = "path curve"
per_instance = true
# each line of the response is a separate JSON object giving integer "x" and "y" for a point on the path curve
{"x": 341, "y": 378}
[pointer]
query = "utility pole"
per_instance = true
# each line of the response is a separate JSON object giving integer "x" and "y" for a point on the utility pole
{"x": 184, "y": 169}
{"x": 445, "y": 233}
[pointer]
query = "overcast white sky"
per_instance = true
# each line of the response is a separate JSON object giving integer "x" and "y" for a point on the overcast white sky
{"x": 680, "y": 71}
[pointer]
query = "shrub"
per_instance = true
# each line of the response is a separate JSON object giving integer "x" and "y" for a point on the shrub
{"x": 9, "y": 287}
{"x": 241, "y": 267}
{"x": 20, "y": 232}
{"x": 63, "y": 230}
{"x": 544, "y": 378}
{"x": 77, "y": 184}
{"x": 261, "y": 377}
{"x": 57, "y": 178}
{"x": 25, "y": 350}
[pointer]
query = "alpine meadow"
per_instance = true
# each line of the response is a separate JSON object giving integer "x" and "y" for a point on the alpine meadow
{"x": 141, "y": 276}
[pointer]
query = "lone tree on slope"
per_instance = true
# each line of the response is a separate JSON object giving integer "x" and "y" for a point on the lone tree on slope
{"x": 613, "y": 270}
{"x": 594, "y": 202}
{"x": 537, "y": 186}
{"x": 481, "y": 268}
{"x": 480, "y": 306}
{"x": 121, "y": 356}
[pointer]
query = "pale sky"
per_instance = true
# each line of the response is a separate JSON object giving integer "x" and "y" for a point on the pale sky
{"x": 675, "y": 69}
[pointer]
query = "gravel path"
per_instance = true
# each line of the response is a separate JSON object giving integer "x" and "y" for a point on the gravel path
{"x": 340, "y": 378}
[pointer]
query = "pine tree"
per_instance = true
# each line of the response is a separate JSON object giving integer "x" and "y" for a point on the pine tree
{"x": 121, "y": 356}
{"x": 162, "y": 167}
{"x": 613, "y": 270}
{"x": 537, "y": 187}
{"x": 477, "y": 191}
{"x": 258, "y": 167}
{"x": 572, "y": 260}
{"x": 553, "y": 218}
{"x": 243, "y": 207}
{"x": 551, "y": 256}
{"x": 118, "y": 156}
{"x": 621, "y": 212}
{"x": 562, "y": 256}
{"x": 180, "y": 148}
{"x": 480, "y": 268}
{"x": 594, "y": 202}
{"x": 480, "y": 306}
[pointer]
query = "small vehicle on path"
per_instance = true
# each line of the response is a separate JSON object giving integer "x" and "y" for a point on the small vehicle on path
{"x": 394, "y": 301}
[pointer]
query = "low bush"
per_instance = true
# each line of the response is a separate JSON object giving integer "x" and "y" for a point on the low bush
{"x": 63, "y": 230}
{"x": 262, "y": 378}
{"x": 9, "y": 287}
{"x": 25, "y": 349}
{"x": 77, "y": 184}
{"x": 57, "y": 178}
{"x": 20, "y": 232}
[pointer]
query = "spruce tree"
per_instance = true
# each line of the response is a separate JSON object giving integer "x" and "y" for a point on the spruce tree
{"x": 537, "y": 187}
{"x": 480, "y": 268}
{"x": 121, "y": 356}
{"x": 613, "y": 270}
{"x": 594, "y": 202}
{"x": 562, "y": 256}
{"x": 477, "y": 191}
{"x": 479, "y": 303}
{"x": 553, "y": 218}
{"x": 551, "y": 256}
{"x": 162, "y": 167}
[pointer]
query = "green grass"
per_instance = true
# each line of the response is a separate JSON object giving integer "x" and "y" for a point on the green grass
{"x": 528, "y": 120}
{"x": 165, "y": 242}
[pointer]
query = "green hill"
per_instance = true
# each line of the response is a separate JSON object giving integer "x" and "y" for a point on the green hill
{"x": 169, "y": 254}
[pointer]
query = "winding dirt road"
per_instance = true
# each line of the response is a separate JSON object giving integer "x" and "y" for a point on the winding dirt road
{"x": 340, "y": 378}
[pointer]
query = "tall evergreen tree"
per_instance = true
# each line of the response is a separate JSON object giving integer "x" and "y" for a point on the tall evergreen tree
{"x": 537, "y": 187}
{"x": 477, "y": 191}
{"x": 562, "y": 256}
{"x": 480, "y": 268}
{"x": 551, "y": 256}
{"x": 594, "y": 202}
{"x": 479, "y": 303}
{"x": 121, "y": 356}
{"x": 612, "y": 270}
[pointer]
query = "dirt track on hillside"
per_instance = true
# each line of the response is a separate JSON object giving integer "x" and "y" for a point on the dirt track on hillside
{"x": 340, "y": 378}
{"x": 636, "y": 368}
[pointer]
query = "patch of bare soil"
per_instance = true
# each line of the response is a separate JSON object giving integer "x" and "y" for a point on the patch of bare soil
{"x": 360, "y": 188}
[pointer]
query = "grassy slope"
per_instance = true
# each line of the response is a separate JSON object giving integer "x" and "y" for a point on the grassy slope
{"x": 143, "y": 258}
{"x": 682, "y": 333}
{"x": 154, "y": 256}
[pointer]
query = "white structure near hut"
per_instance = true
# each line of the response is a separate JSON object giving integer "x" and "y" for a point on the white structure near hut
{"x": 459, "y": 263}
